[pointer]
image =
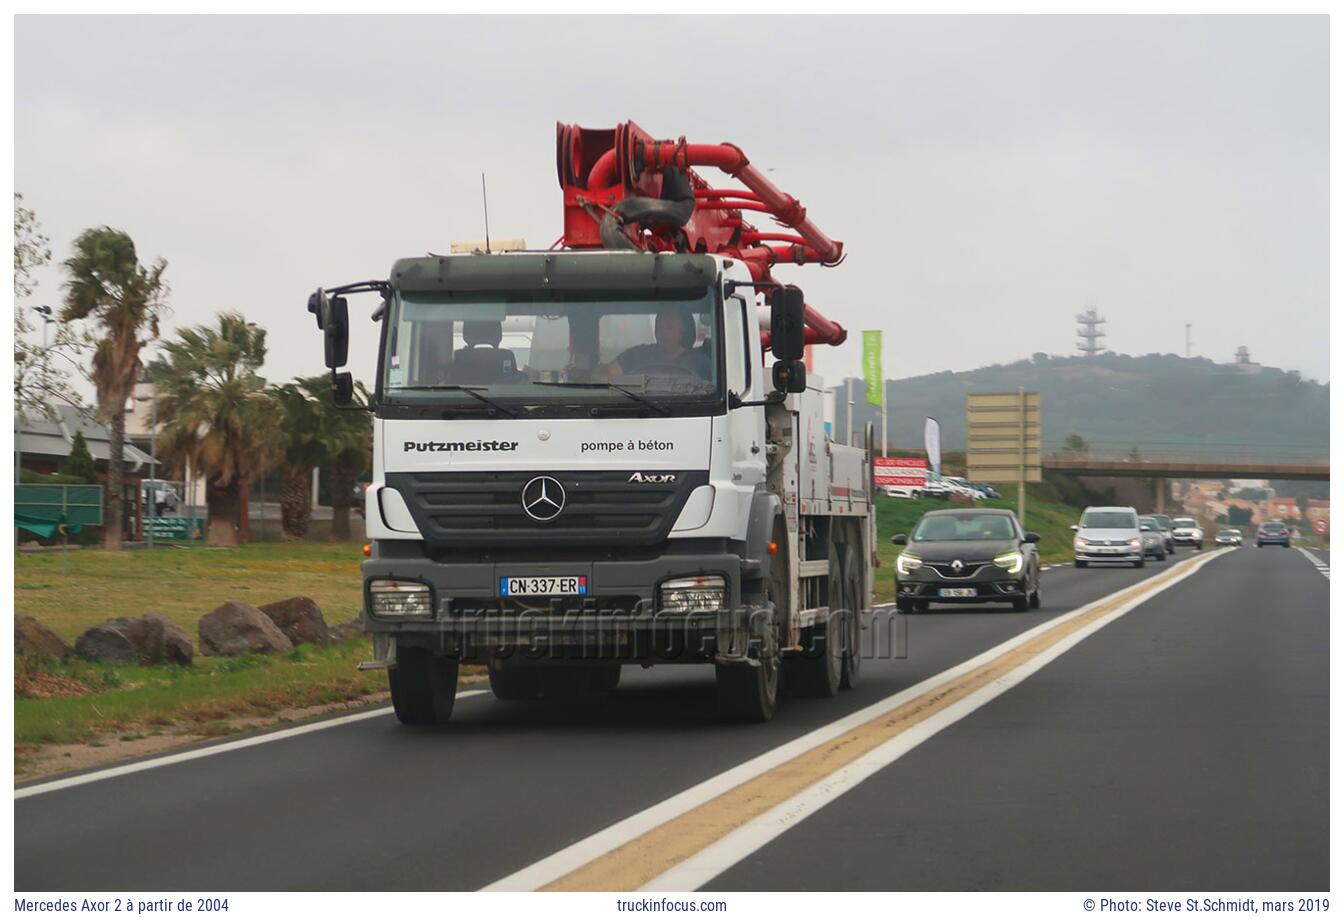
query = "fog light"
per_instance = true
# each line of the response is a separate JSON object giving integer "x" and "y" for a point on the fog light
{"x": 694, "y": 594}
{"x": 391, "y": 599}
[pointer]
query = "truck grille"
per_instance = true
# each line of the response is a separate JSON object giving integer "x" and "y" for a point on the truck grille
{"x": 484, "y": 509}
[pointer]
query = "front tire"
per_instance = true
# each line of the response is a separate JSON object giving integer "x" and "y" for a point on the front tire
{"x": 1036, "y": 595}
{"x": 1139, "y": 564}
{"x": 423, "y": 686}
{"x": 1079, "y": 564}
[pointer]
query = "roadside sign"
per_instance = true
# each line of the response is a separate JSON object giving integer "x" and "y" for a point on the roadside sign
{"x": 900, "y": 471}
{"x": 176, "y": 528}
{"x": 1322, "y": 527}
{"x": 1003, "y": 437}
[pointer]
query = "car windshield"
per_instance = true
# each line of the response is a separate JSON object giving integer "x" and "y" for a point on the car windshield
{"x": 1276, "y": 528}
{"x": 1148, "y": 522}
{"x": 1110, "y": 520}
{"x": 1229, "y": 533}
{"x": 1184, "y": 522}
{"x": 1163, "y": 520}
{"x": 968, "y": 526}
{"x": 535, "y": 347}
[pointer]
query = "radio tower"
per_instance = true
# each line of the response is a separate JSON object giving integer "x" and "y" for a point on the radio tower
{"x": 1089, "y": 331}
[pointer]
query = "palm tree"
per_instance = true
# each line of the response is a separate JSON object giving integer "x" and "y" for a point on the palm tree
{"x": 302, "y": 417}
{"x": 219, "y": 415}
{"x": 348, "y": 438}
{"x": 109, "y": 285}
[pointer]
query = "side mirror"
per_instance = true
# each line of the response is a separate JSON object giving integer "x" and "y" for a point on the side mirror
{"x": 789, "y": 376}
{"x": 787, "y": 332}
{"x": 1073, "y": 527}
{"x": 1145, "y": 527}
{"x": 342, "y": 389}
{"x": 898, "y": 539}
{"x": 336, "y": 332}
{"x": 1031, "y": 537}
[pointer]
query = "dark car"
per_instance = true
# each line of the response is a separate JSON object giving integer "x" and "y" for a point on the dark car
{"x": 1150, "y": 532}
{"x": 1275, "y": 532}
{"x": 1164, "y": 527}
{"x": 968, "y": 556}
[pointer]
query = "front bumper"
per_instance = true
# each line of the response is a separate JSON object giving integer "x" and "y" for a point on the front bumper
{"x": 990, "y": 582}
{"x": 1100, "y": 554}
{"x": 1186, "y": 540}
{"x": 618, "y": 617}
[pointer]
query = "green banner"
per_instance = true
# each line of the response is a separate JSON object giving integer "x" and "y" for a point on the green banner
{"x": 872, "y": 365}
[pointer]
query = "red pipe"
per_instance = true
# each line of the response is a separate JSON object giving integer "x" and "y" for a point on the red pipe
{"x": 726, "y": 193}
{"x": 603, "y": 173}
{"x": 731, "y": 159}
{"x": 732, "y": 206}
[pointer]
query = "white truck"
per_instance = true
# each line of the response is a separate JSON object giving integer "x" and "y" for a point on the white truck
{"x": 642, "y": 488}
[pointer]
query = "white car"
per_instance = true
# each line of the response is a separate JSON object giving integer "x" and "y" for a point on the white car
{"x": 902, "y": 491}
{"x": 1109, "y": 534}
{"x": 962, "y": 487}
{"x": 1186, "y": 531}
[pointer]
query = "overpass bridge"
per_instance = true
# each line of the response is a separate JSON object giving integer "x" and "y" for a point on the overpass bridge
{"x": 1189, "y": 467}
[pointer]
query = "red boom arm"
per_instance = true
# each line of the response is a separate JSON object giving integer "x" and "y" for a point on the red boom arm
{"x": 601, "y": 168}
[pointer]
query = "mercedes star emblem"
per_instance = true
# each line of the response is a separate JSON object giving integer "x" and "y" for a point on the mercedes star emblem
{"x": 543, "y": 498}
{"x": 957, "y": 565}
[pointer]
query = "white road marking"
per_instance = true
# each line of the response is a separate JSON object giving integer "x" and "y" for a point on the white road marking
{"x": 1321, "y": 565}
{"x": 561, "y": 863}
{"x": 184, "y": 756}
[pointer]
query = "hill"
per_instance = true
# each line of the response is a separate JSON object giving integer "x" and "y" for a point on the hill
{"x": 1158, "y": 402}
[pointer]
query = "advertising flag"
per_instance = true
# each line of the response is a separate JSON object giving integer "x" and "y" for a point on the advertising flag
{"x": 872, "y": 365}
{"x": 933, "y": 445}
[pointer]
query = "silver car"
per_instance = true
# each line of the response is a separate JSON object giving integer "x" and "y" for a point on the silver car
{"x": 1108, "y": 534}
{"x": 1154, "y": 544}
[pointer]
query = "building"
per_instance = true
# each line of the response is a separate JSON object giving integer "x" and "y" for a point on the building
{"x": 43, "y": 444}
{"x": 1318, "y": 509}
{"x": 1279, "y": 509}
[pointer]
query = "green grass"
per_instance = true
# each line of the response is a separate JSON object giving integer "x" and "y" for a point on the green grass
{"x": 132, "y": 700}
{"x": 1050, "y": 518}
{"x": 183, "y": 585}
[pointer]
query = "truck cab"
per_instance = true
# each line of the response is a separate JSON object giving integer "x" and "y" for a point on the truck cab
{"x": 582, "y": 461}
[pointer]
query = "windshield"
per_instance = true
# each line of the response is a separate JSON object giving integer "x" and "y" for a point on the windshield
{"x": 1163, "y": 520}
{"x": 1110, "y": 520}
{"x": 538, "y": 347}
{"x": 969, "y": 526}
{"x": 1274, "y": 527}
{"x": 1184, "y": 522}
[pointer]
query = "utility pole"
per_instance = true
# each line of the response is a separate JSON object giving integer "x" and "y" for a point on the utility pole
{"x": 849, "y": 411}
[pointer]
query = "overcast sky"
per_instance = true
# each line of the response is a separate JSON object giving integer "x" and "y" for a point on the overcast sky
{"x": 990, "y": 176}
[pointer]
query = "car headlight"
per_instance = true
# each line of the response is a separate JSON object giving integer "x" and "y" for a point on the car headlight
{"x": 696, "y": 593}
{"x": 906, "y": 563}
{"x": 392, "y": 599}
{"x": 1134, "y": 543}
{"x": 1011, "y": 561}
{"x": 1080, "y": 543}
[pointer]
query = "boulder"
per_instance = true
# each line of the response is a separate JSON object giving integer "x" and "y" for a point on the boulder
{"x": 33, "y": 637}
{"x": 176, "y": 643}
{"x": 107, "y": 643}
{"x": 235, "y": 628}
{"x": 300, "y": 619}
{"x": 149, "y": 639}
{"x": 351, "y": 627}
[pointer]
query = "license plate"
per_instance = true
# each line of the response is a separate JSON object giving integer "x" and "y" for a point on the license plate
{"x": 544, "y": 586}
{"x": 956, "y": 592}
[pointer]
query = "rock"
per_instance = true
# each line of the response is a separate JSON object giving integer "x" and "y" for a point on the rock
{"x": 351, "y": 627}
{"x": 149, "y": 639}
{"x": 235, "y": 628}
{"x": 176, "y": 643}
{"x": 106, "y": 643}
{"x": 300, "y": 619}
{"x": 33, "y": 637}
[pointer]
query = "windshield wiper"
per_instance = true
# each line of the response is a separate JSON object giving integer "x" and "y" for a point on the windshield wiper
{"x": 656, "y": 407}
{"x": 470, "y": 391}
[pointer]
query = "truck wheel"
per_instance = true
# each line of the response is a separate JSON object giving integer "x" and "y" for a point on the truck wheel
{"x": 606, "y": 677}
{"x": 815, "y": 671}
{"x": 851, "y": 661}
{"x": 747, "y": 692}
{"x": 517, "y": 682}
{"x": 423, "y": 687}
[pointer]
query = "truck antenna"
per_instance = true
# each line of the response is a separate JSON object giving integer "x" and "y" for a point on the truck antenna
{"x": 485, "y": 206}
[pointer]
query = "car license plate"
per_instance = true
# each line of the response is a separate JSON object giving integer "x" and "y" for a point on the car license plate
{"x": 956, "y": 592}
{"x": 543, "y": 586}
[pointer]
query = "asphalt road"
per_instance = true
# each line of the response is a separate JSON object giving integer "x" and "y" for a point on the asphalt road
{"x": 1182, "y": 746}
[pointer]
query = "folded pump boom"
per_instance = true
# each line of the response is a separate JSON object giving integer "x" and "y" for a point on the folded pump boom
{"x": 625, "y": 190}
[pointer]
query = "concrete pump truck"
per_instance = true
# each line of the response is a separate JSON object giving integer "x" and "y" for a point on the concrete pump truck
{"x": 628, "y": 482}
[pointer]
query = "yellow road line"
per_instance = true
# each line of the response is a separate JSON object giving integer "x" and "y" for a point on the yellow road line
{"x": 633, "y": 864}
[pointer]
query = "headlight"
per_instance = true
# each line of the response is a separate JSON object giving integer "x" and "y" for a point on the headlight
{"x": 1134, "y": 543}
{"x": 906, "y": 563}
{"x": 1010, "y": 561}
{"x": 393, "y": 599}
{"x": 696, "y": 593}
{"x": 1080, "y": 543}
